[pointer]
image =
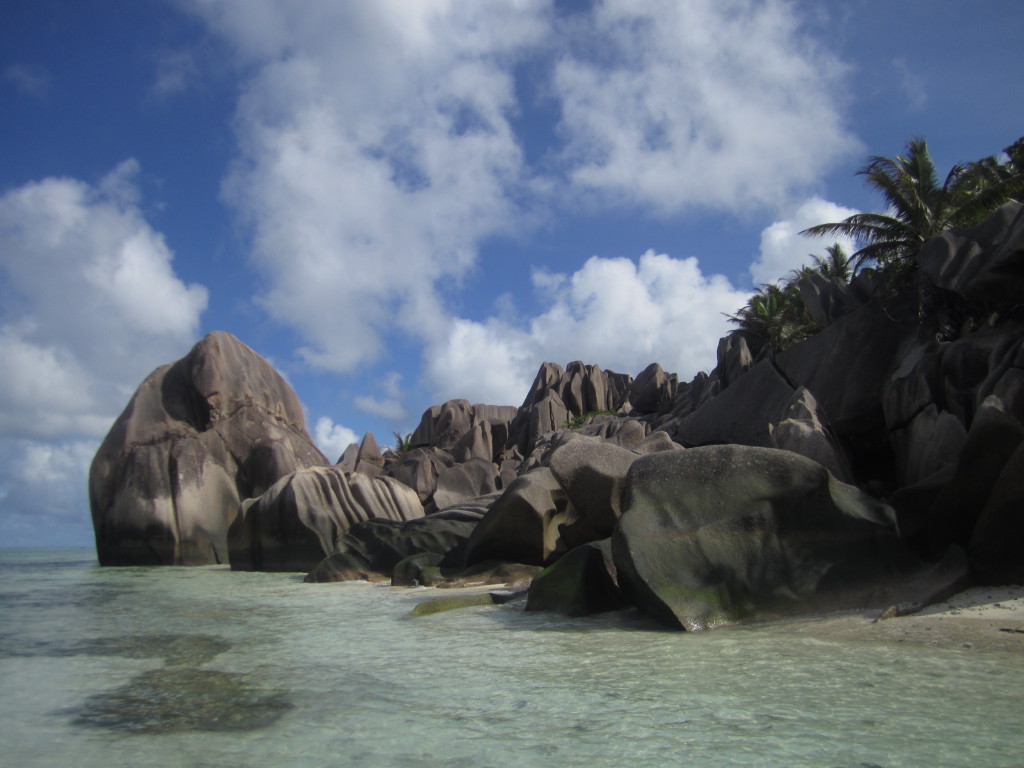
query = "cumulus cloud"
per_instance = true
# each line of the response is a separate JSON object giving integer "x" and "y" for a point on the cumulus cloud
{"x": 332, "y": 439}
{"x": 702, "y": 103}
{"x": 783, "y": 249}
{"x": 376, "y": 153}
{"x": 379, "y": 145}
{"x": 483, "y": 362}
{"x": 616, "y": 312}
{"x": 42, "y": 492}
{"x": 91, "y": 305}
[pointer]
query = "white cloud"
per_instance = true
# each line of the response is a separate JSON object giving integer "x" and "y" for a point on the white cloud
{"x": 378, "y": 146}
{"x": 390, "y": 406}
{"x": 702, "y": 103}
{"x": 483, "y": 362}
{"x": 376, "y": 152}
{"x": 783, "y": 249}
{"x": 617, "y": 313}
{"x": 42, "y": 492}
{"x": 93, "y": 304}
{"x": 332, "y": 438}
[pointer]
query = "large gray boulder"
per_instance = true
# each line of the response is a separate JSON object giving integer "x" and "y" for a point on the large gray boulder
{"x": 365, "y": 457}
{"x": 374, "y": 547}
{"x": 991, "y": 442}
{"x": 593, "y": 475}
{"x": 653, "y": 390}
{"x": 419, "y": 469}
{"x": 740, "y": 413}
{"x": 522, "y": 525}
{"x": 995, "y": 547}
{"x": 804, "y": 429}
{"x": 295, "y": 524}
{"x": 849, "y": 364}
{"x": 198, "y": 436}
{"x": 581, "y": 583}
{"x": 725, "y": 534}
{"x": 985, "y": 262}
{"x": 468, "y": 480}
{"x": 557, "y": 395}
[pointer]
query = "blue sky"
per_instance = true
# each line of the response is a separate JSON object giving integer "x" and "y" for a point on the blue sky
{"x": 402, "y": 202}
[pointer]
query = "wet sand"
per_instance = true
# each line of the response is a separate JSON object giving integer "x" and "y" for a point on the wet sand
{"x": 980, "y": 619}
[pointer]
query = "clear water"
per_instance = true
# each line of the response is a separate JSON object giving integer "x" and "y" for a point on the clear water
{"x": 205, "y": 667}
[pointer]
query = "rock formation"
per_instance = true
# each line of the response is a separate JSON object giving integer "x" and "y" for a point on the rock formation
{"x": 729, "y": 533}
{"x": 295, "y": 523}
{"x": 879, "y": 461}
{"x": 199, "y": 435}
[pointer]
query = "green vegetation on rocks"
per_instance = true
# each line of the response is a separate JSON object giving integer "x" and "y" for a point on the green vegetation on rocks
{"x": 443, "y": 604}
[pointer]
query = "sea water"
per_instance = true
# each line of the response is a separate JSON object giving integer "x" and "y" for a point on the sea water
{"x": 206, "y": 667}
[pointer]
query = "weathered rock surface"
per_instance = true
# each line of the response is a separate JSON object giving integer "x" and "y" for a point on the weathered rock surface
{"x": 444, "y": 426}
{"x": 995, "y": 546}
{"x": 199, "y": 435}
{"x": 653, "y": 390}
{"x": 558, "y": 395}
{"x": 593, "y": 475}
{"x": 468, "y": 480}
{"x": 522, "y": 525}
{"x": 379, "y": 545}
{"x": 993, "y": 439}
{"x": 295, "y": 524}
{"x": 804, "y": 429}
{"x": 985, "y": 262}
{"x": 724, "y": 534}
{"x": 419, "y": 469}
{"x": 742, "y": 412}
{"x": 829, "y": 299}
{"x": 364, "y": 457}
{"x": 579, "y": 584}
{"x": 916, "y": 396}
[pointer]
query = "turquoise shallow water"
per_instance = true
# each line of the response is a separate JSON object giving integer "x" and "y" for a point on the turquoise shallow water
{"x": 205, "y": 667}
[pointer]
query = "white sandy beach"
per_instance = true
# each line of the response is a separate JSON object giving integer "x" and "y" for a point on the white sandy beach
{"x": 977, "y": 619}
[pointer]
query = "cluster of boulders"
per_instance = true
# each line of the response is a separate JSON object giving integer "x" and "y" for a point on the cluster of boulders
{"x": 880, "y": 462}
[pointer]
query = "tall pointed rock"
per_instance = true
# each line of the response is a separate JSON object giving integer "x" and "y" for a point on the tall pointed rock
{"x": 198, "y": 436}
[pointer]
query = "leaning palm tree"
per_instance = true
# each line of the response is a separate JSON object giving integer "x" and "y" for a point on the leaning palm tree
{"x": 918, "y": 206}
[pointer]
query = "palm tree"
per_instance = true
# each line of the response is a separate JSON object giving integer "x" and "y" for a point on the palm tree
{"x": 835, "y": 265}
{"x": 774, "y": 316}
{"x": 991, "y": 170}
{"x": 918, "y": 206}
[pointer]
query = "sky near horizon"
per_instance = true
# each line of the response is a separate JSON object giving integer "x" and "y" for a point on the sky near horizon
{"x": 401, "y": 202}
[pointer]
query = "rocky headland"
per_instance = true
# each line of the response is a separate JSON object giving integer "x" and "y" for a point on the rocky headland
{"x": 878, "y": 465}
